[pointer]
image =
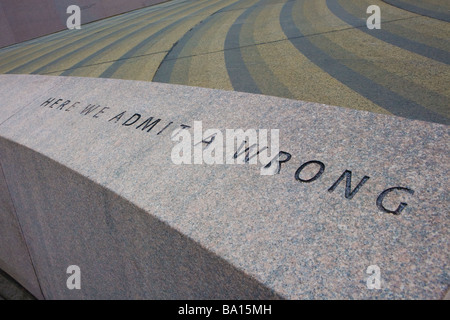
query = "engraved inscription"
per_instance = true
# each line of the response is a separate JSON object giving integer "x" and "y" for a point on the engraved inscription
{"x": 145, "y": 123}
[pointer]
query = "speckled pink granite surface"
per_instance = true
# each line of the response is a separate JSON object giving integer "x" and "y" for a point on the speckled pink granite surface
{"x": 107, "y": 197}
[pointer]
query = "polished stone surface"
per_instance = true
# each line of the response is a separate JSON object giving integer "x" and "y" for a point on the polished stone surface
{"x": 107, "y": 197}
{"x": 14, "y": 256}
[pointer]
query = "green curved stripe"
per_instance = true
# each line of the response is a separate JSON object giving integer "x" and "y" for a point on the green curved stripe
{"x": 130, "y": 53}
{"x": 85, "y": 61}
{"x": 423, "y": 10}
{"x": 401, "y": 42}
{"x": 75, "y": 44}
{"x": 164, "y": 72}
{"x": 369, "y": 89}
{"x": 240, "y": 76}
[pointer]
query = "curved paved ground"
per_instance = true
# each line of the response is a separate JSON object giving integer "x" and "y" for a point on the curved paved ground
{"x": 313, "y": 50}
